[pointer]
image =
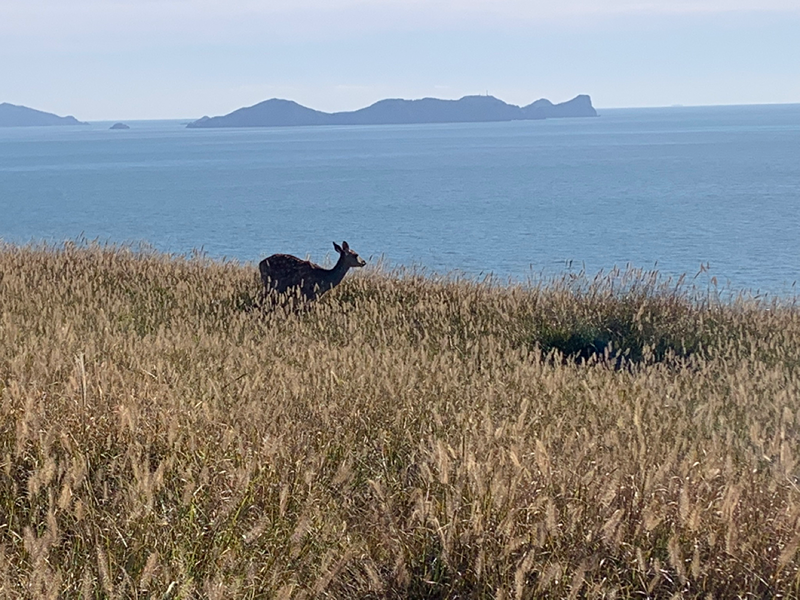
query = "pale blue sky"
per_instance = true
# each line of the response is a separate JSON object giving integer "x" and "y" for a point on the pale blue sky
{"x": 141, "y": 59}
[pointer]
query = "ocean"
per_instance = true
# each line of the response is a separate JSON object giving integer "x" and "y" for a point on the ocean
{"x": 680, "y": 190}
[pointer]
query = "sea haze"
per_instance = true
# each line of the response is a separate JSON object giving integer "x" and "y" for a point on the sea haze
{"x": 676, "y": 188}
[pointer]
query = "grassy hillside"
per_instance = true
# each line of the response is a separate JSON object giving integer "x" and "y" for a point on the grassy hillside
{"x": 162, "y": 436}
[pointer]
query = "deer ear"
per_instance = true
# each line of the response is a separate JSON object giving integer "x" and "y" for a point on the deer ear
{"x": 346, "y": 246}
{"x": 338, "y": 248}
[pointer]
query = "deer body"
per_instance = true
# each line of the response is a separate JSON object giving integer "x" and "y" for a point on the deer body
{"x": 284, "y": 273}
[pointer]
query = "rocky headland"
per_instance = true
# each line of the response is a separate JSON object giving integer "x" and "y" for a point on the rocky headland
{"x": 13, "y": 115}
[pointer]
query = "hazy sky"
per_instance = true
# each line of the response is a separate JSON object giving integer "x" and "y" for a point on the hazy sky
{"x": 115, "y": 59}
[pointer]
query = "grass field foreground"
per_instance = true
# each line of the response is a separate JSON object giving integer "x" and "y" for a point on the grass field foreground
{"x": 161, "y": 435}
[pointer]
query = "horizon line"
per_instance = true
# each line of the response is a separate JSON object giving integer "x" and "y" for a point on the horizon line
{"x": 597, "y": 108}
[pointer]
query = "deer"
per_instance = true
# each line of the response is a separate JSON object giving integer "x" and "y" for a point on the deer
{"x": 282, "y": 273}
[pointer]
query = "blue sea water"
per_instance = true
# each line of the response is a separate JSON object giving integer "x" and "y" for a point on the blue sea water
{"x": 672, "y": 188}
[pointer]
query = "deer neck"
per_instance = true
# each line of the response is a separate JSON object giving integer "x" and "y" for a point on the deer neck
{"x": 337, "y": 273}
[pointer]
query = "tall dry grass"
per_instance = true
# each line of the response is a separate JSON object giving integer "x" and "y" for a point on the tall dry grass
{"x": 405, "y": 437}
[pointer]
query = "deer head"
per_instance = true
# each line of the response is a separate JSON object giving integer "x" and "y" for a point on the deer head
{"x": 349, "y": 257}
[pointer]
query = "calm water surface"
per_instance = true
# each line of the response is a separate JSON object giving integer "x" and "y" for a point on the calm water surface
{"x": 675, "y": 188}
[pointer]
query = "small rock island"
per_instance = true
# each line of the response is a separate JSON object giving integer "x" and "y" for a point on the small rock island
{"x": 120, "y": 126}
{"x": 469, "y": 109}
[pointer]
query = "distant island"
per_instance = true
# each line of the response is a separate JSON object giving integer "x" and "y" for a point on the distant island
{"x": 120, "y": 126}
{"x": 12, "y": 115}
{"x": 469, "y": 109}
